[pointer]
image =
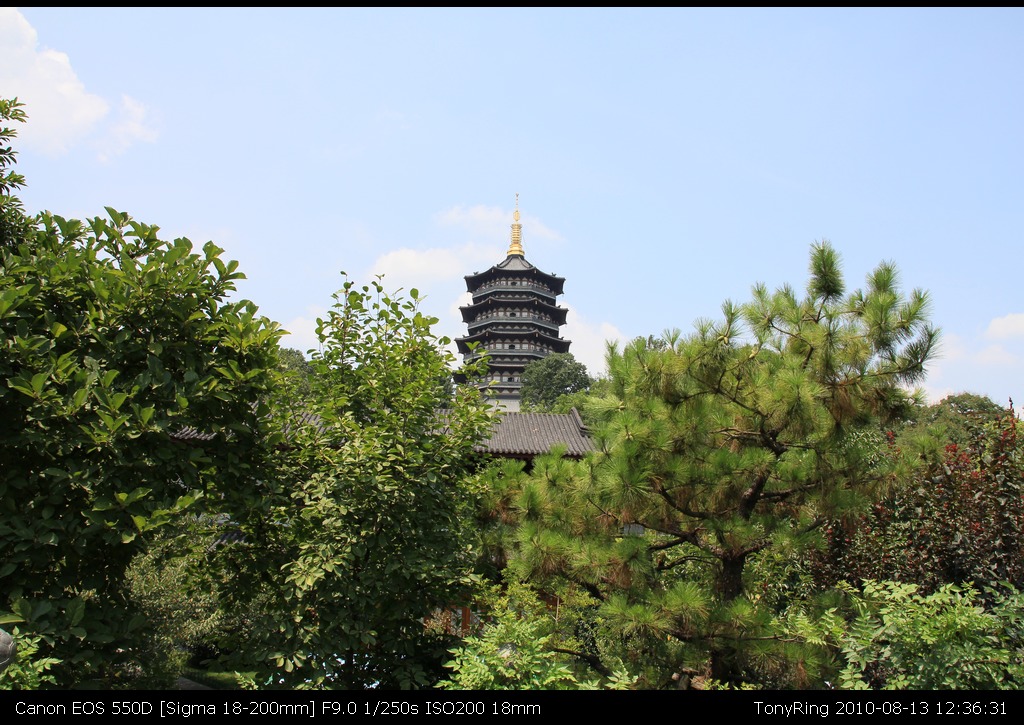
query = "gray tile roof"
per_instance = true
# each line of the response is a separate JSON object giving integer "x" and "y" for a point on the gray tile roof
{"x": 516, "y": 435}
{"x": 533, "y": 434}
{"x": 191, "y": 433}
{"x": 188, "y": 433}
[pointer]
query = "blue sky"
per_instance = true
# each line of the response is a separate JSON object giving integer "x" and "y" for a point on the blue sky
{"x": 665, "y": 159}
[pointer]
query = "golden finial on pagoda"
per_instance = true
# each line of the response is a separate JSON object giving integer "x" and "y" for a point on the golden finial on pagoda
{"x": 516, "y": 247}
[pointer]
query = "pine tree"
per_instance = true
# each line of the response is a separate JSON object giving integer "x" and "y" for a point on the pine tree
{"x": 737, "y": 440}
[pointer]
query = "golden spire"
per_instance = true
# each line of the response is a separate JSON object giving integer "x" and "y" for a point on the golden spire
{"x": 516, "y": 247}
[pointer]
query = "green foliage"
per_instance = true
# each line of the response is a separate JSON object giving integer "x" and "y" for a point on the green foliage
{"x": 112, "y": 341}
{"x": 10, "y": 110}
{"x": 715, "y": 685}
{"x": 517, "y": 649}
{"x": 361, "y": 531}
{"x": 960, "y": 520}
{"x": 497, "y": 515}
{"x": 900, "y": 639}
{"x": 297, "y": 372}
{"x": 957, "y": 419}
{"x": 29, "y": 670}
{"x": 179, "y": 606}
{"x": 738, "y": 439}
{"x": 582, "y": 401}
{"x": 654, "y": 343}
{"x": 509, "y": 654}
{"x": 173, "y": 481}
{"x": 220, "y": 680}
{"x": 547, "y": 379}
{"x": 14, "y": 226}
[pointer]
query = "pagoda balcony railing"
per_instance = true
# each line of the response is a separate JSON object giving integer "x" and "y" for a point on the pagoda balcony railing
{"x": 501, "y": 353}
{"x": 510, "y": 287}
{"x": 503, "y": 381}
{"x": 532, "y": 319}
{"x": 505, "y": 347}
{"x": 519, "y": 362}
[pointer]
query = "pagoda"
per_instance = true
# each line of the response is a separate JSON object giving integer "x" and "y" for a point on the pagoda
{"x": 513, "y": 318}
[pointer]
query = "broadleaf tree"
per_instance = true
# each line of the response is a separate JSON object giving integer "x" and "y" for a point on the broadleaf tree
{"x": 114, "y": 343}
{"x": 551, "y": 377}
{"x": 14, "y": 225}
{"x": 116, "y": 348}
{"x": 899, "y": 638}
{"x": 960, "y": 520}
{"x": 740, "y": 439}
{"x": 361, "y": 535}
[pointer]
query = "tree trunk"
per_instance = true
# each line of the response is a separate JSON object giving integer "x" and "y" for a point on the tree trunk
{"x": 725, "y": 666}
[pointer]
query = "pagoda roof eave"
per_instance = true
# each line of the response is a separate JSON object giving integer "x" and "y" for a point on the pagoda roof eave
{"x": 513, "y": 263}
{"x": 469, "y": 317}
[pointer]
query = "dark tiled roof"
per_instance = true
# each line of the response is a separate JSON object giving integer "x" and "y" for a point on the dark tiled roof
{"x": 533, "y": 434}
{"x": 515, "y": 263}
{"x": 519, "y": 435}
{"x": 188, "y": 433}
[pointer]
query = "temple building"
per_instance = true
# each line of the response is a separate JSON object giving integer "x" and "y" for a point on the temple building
{"x": 514, "y": 318}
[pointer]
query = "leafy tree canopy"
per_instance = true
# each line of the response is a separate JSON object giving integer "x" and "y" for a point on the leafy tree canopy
{"x": 901, "y": 639}
{"x": 959, "y": 419}
{"x": 298, "y": 372}
{"x": 551, "y": 377}
{"x": 113, "y": 343}
{"x": 360, "y": 533}
{"x": 14, "y": 226}
{"x": 518, "y": 648}
{"x": 958, "y": 520}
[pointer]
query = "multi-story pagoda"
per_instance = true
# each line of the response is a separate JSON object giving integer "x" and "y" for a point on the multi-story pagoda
{"x": 513, "y": 318}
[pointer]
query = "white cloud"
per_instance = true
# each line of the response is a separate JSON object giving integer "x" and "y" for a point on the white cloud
{"x": 495, "y": 223}
{"x": 479, "y": 219}
{"x": 129, "y": 127}
{"x": 437, "y": 275}
{"x": 451, "y": 324}
{"x": 970, "y": 365}
{"x": 951, "y": 347}
{"x": 455, "y": 310}
{"x": 934, "y": 394}
{"x": 416, "y": 268}
{"x": 994, "y": 355}
{"x": 1008, "y": 326}
{"x": 61, "y": 112}
{"x": 302, "y": 330}
{"x": 589, "y": 341}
